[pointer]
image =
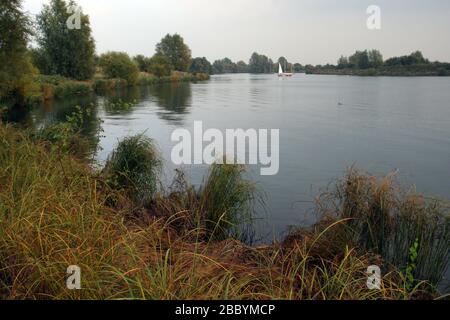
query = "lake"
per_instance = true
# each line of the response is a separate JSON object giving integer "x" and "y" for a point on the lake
{"x": 327, "y": 124}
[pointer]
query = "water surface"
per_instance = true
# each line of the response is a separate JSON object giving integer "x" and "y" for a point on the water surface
{"x": 327, "y": 124}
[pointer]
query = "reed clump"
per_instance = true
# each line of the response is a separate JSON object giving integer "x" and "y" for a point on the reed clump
{"x": 134, "y": 167}
{"x": 385, "y": 220}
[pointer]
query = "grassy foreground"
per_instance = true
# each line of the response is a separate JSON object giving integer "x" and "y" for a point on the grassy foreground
{"x": 55, "y": 211}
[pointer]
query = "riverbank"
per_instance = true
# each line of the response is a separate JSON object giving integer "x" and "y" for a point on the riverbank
{"x": 47, "y": 88}
{"x": 396, "y": 71}
{"x": 56, "y": 211}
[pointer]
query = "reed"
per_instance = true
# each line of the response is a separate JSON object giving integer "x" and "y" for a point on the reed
{"x": 134, "y": 166}
{"x": 384, "y": 219}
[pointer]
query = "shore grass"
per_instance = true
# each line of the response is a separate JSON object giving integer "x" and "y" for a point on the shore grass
{"x": 55, "y": 211}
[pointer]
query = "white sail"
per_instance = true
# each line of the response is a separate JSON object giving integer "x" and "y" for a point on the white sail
{"x": 280, "y": 69}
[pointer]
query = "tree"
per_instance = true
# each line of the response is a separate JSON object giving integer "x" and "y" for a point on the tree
{"x": 200, "y": 65}
{"x": 16, "y": 69}
{"x": 119, "y": 65}
{"x": 298, "y": 67}
{"x": 241, "y": 67}
{"x": 359, "y": 60}
{"x": 160, "y": 66}
{"x": 343, "y": 62}
{"x": 142, "y": 62}
{"x": 414, "y": 58}
{"x": 260, "y": 64}
{"x": 174, "y": 48}
{"x": 68, "y": 52}
{"x": 224, "y": 66}
{"x": 375, "y": 58}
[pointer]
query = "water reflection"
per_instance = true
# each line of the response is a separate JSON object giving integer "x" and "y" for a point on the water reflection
{"x": 173, "y": 99}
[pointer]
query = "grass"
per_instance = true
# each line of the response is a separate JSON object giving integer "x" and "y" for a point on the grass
{"x": 134, "y": 166}
{"x": 55, "y": 211}
{"x": 388, "y": 221}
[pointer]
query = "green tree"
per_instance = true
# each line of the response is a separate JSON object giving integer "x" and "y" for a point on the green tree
{"x": 260, "y": 64}
{"x": 241, "y": 67}
{"x": 142, "y": 62}
{"x": 119, "y": 65}
{"x": 375, "y": 58}
{"x": 359, "y": 60}
{"x": 224, "y": 66}
{"x": 200, "y": 65}
{"x": 174, "y": 48}
{"x": 343, "y": 62}
{"x": 160, "y": 65}
{"x": 15, "y": 67}
{"x": 68, "y": 52}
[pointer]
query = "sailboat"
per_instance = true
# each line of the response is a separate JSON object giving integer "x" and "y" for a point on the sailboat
{"x": 283, "y": 74}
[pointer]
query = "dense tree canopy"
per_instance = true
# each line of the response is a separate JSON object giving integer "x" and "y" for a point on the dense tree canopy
{"x": 361, "y": 60}
{"x": 260, "y": 64}
{"x": 174, "y": 48}
{"x": 200, "y": 65}
{"x": 241, "y": 67}
{"x": 15, "y": 66}
{"x": 142, "y": 62}
{"x": 224, "y": 66}
{"x": 119, "y": 65}
{"x": 160, "y": 65}
{"x": 64, "y": 51}
{"x": 414, "y": 58}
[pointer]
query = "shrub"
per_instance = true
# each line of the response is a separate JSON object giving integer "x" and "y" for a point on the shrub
{"x": 119, "y": 65}
{"x": 134, "y": 166}
{"x": 160, "y": 66}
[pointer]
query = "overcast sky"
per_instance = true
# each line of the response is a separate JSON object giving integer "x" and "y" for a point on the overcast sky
{"x": 305, "y": 31}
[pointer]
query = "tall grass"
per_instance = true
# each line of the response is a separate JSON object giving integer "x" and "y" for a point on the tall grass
{"x": 55, "y": 212}
{"x": 387, "y": 221}
{"x": 227, "y": 202}
{"x": 222, "y": 207}
{"x": 134, "y": 166}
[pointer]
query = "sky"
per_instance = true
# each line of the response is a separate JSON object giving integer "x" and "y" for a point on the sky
{"x": 304, "y": 31}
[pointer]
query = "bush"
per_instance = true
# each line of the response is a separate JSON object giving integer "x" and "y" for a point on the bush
{"x": 160, "y": 66}
{"x": 119, "y": 65}
{"x": 134, "y": 166}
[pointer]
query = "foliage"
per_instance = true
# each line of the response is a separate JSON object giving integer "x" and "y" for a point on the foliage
{"x": 411, "y": 268}
{"x": 119, "y": 65}
{"x": 414, "y": 58}
{"x": 260, "y": 64}
{"x": 142, "y": 62}
{"x": 200, "y": 65}
{"x": 241, "y": 67}
{"x": 66, "y": 137}
{"x": 160, "y": 66}
{"x": 134, "y": 166}
{"x": 63, "y": 51}
{"x": 16, "y": 70}
{"x": 224, "y": 66}
{"x": 174, "y": 48}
